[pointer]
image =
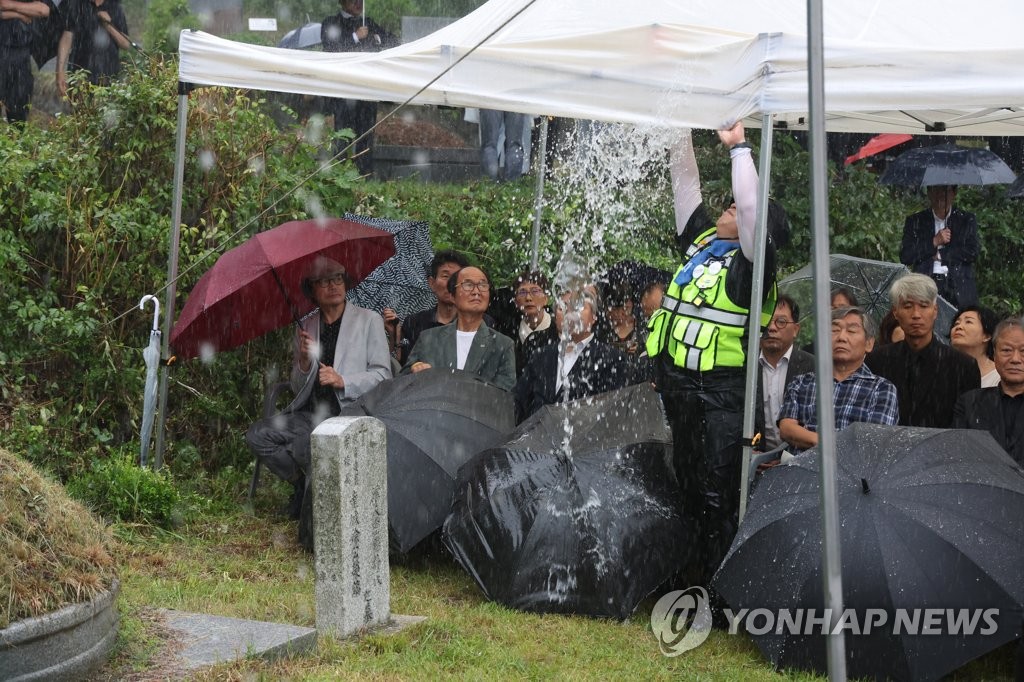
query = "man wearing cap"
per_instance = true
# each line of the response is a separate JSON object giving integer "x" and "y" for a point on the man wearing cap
{"x": 697, "y": 341}
{"x": 341, "y": 352}
{"x": 942, "y": 242}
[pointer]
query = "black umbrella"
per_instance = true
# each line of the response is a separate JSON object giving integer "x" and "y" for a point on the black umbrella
{"x": 578, "y": 512}
{"x": 930, "y": 519}
{"x": 304, "y": 37}
{"x": 946, "y": 164}
{"x": 436, "y": 421}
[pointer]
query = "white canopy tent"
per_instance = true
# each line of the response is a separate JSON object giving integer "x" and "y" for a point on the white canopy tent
{"x": 890, "y": 65}
{"x": 886, "y": 66}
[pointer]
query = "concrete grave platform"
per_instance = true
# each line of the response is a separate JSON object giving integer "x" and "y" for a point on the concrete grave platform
{"x": 207, "y": 640}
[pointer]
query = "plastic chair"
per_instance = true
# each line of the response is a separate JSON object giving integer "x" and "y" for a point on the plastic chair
{"x": 269, "y": 410}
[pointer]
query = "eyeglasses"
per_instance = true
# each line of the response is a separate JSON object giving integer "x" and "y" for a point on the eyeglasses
{"x": 781, "y": 322}
{"x": 479, "y": 286}
{"x": 535, "y": 292}
{"x": 324, "y": 282}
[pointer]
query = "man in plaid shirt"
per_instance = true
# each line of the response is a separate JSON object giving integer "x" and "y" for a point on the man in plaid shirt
{"x": 858, "y": 394}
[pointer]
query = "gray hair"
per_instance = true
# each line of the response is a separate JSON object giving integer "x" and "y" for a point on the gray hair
{"x": 865, "y": 320}
{"x": 913, "y": 287}
{"x": 1006, "y": 325}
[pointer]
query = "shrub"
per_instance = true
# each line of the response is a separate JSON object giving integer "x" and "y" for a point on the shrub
{"x": 120, "y": 490}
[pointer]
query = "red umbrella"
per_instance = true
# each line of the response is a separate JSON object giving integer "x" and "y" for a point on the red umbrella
{"x": 878, "y": 144}
{"x": 256, "y": 287}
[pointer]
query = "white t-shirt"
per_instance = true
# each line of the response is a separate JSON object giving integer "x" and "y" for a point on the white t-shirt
{"x": 463, "y": 340}
{"x": 938, "y": 267}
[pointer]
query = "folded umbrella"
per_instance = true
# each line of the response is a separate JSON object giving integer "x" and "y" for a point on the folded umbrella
{"x": 256, "y": 287}
{"x": 577, "y": 512}
{"x": 946, "y": 164}
{"x": 151, "y": 356}
{"x": 929, "y": 519}
{"x": 436, "y": 421}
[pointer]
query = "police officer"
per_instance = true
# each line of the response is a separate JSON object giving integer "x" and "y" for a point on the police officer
{"x": 698, "y": 341}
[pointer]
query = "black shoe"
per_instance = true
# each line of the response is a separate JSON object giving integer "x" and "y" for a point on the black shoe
{"x": 294, "y": 507}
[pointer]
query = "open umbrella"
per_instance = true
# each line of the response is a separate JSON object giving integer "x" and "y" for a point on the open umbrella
{"x": 151, "y": 355}
{"x": 256, "y": 287}
{"x": 877, "y": 145}
{"x": 946, "y": 164}
{"x": 1016, "y": 190}
{"x": 578, "y": 512}
{"x": 436, "y": 421}
{"x": 930, "y": 519}
{"x": 305, "y": 37}
{"x": 400, "y": 282}
{"x": 868, "y": 280}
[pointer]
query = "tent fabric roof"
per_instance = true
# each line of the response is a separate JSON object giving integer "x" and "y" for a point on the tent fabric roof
{"x": 890, "y": 65}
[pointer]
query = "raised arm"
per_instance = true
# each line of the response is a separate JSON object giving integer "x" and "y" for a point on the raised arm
{"x": 744, "y": 186}
{"x": 685, "y": 181}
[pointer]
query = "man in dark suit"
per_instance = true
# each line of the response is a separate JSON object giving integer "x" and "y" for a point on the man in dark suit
{"x": 929, "y": 376}
{"x": 942, "y": 242}
{"x": 780, "y": 363}
{"x": 1000, "y": 409}
{"x": 469, "y": 344}
{"x": 584, "y": 367}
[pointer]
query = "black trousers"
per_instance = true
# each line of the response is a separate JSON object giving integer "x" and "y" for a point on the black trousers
{"x": 16, "y": 83}
{"x": 705, "y": 413}
{"x": 360, "y": 117}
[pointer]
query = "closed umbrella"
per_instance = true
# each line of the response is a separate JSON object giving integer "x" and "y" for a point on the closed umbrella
{"x": 151, "y": 355}
{"x": 256, "y": 287}
{"x": 577, "y": 512}
{"x": 946, "y": 164}
{"x": 930, "y": 519}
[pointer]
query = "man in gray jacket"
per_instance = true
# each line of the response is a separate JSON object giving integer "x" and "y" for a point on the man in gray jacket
{"x": 341, "y": 352}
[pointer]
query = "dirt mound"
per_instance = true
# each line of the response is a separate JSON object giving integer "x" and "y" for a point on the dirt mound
{"x": 396, "y": 131}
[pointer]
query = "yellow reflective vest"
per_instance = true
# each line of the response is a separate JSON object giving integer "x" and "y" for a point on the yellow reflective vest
{"x": 697, "y": 324}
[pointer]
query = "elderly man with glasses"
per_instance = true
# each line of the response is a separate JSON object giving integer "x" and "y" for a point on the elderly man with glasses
{"x": 535, "y": 330}
{"x": 781, "y": 362}
{"x": 468, "y": 345}
{"x": 341, "y": 352}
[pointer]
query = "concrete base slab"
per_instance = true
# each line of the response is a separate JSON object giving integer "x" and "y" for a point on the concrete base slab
{"x": 207, "y": 640}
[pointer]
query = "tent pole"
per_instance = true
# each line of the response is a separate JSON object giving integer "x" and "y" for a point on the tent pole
{"x": 538, "y": 193}
{"x": 756, "y": 297}
{"x": 831, "y": 563}
{"x": 172, "y": 268}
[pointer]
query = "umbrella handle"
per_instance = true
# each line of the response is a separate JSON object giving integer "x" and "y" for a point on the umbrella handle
{"x": 156, "y": 309}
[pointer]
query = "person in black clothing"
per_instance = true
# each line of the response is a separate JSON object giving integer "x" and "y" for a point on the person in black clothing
{"x": 1000, "y": 409}
{"x": 535, "y": 323}
{"x": 16, "y": 36}
{"x": 583, "y": 367}
{"x": 928, "y": 375}
{"x": 404, "y": 335}
{"x": 95, "y": 31}
{"x": 350, "y": 30}
{"x": 942, "y": 243}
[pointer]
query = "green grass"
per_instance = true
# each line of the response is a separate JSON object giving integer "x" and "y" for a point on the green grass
{"x": 249, "y": 565}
